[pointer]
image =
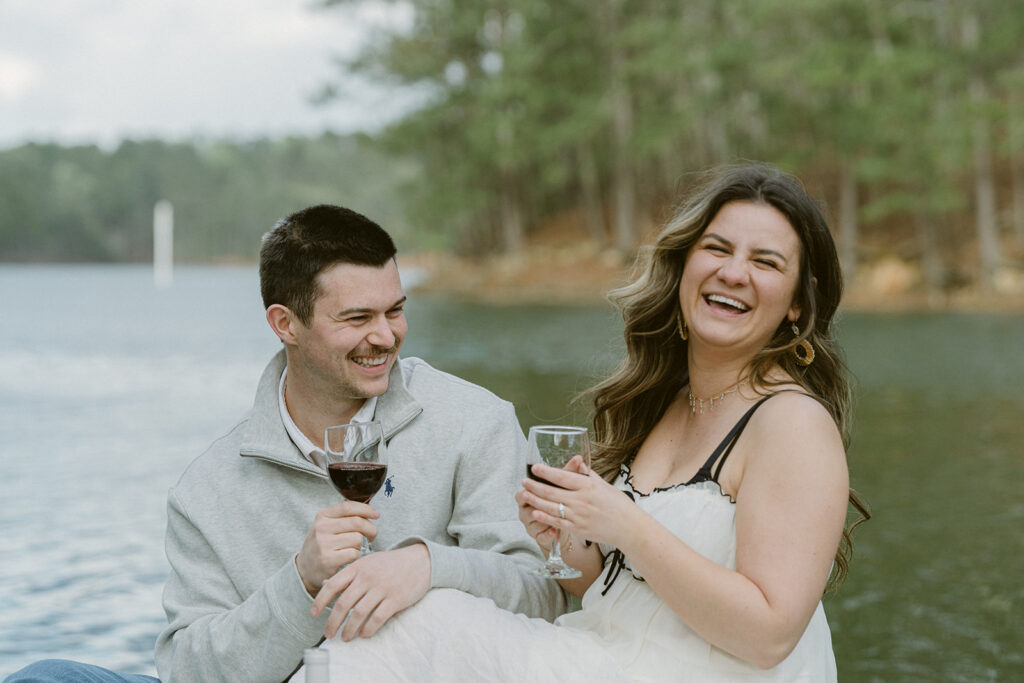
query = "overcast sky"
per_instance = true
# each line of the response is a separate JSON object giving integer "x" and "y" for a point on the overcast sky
{"x": 80, "y": 71}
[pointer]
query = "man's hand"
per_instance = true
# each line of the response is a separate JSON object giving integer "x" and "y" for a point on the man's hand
{"x": 373, "y": 589}
{"x": 334, "y": 541}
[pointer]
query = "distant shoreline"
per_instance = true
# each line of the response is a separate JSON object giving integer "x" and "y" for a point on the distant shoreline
{"x": 553, "y": 277}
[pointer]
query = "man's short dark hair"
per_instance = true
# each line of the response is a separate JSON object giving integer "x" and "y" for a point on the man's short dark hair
{"x": 301, "y": 246}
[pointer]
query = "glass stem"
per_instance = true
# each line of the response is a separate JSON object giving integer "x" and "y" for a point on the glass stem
{"x": 555, "y": 553}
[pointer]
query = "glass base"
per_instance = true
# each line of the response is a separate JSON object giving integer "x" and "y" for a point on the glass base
{"x": 557, "y": 571}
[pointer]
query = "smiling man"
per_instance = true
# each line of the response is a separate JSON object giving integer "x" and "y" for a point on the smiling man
{"x": 260, "y": 543}
{"x": 255, "y": 532}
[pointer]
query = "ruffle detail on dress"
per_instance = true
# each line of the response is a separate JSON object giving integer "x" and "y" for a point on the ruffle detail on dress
{"x": 626, "y": 474}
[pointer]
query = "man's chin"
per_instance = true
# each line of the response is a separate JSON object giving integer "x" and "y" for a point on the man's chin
{"x": 373, "y": 389}
{"x": 374, "y": 384}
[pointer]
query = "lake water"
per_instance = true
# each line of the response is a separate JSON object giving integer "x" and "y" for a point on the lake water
{"x": 108, "y": 388}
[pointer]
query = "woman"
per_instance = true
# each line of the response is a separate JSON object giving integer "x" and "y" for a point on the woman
{"x": 725, "y": 428}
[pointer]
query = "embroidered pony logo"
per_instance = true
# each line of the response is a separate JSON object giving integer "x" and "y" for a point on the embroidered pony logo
{"x": 388, "y": 487}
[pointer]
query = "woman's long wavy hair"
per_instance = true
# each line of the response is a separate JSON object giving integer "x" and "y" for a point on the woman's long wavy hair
{"x": 630, "y": 402}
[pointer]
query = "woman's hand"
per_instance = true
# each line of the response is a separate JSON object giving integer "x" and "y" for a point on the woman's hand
{"x": 538, "y": 501}
{"x": 543, "y": 534}
{"x": 577, "y": 501}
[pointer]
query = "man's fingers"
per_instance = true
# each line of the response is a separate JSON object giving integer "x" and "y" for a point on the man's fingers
{"x": 388, "y": 581}
{"x": 349, "y": 508}
{"x": 368, "y": 529}
{"x": 343, "y": 540}
{"x": 334, "y": 622}
{"x": 332, "y": 587}
{"x": 340, "y": 612}
{"x": 347, "y": 542}
{"x": 332, "y": 526}
{"x": 346, "y": 554}
{"x": 385, "y": 610}
{"x": 360, "y": 614}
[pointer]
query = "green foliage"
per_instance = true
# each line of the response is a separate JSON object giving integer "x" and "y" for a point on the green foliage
{"x": 878, "y": 87}
{"x": 85, "y": 204}
{"x": 531, "y": 108}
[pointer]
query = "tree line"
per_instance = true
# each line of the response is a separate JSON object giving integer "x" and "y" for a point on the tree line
{"x": 907, "y": 115}
{"x": 83, "y": 203}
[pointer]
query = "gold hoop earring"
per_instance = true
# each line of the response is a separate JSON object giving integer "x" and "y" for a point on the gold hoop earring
{"x": 807, "y": 356}
{"x": 682, "y": 327}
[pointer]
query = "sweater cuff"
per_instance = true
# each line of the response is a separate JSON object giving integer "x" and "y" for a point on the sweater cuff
{"x": 447, "y": 562}
{"x": 291, "y": 603}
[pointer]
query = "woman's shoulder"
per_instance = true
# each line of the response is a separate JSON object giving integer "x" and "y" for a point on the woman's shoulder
{"x": 792, "y": 439}
{"x": 791, "y": 397}
{"x": 789, "y": 414}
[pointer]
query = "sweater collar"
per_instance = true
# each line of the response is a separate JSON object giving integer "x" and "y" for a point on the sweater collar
{"x": 264, "y": 434}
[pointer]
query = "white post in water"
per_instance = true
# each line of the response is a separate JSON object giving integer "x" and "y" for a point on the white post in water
{"x": 163, "y": 244}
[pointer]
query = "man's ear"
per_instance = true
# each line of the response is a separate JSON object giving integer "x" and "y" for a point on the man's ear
{"x": 282, "y": 321}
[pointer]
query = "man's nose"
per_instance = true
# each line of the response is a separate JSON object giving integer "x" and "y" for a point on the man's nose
{"x": 381, "y": 335}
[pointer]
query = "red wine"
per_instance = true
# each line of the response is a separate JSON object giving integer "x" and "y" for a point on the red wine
{"x": 357, "y": 481}
{"x": 531, "y": 475}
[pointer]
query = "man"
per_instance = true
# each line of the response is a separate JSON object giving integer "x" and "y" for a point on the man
{"x": 255, "y": 533}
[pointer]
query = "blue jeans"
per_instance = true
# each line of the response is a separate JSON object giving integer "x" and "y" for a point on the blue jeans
{"x": 66, "y": 671}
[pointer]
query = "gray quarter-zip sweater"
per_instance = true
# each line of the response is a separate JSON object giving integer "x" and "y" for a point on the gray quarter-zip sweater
{"x": 236, "y": 607}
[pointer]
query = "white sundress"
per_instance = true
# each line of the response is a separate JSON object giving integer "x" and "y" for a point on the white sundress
{"x": 624, "y": 631}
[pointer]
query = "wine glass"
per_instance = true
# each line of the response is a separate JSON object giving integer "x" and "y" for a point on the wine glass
{"x": 356, "y": 462}
{"x": 555, "y": 445}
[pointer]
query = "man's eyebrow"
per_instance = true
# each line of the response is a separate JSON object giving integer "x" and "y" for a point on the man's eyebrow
{"x": 353, "y": 311}
{"x": 760, "y": 252}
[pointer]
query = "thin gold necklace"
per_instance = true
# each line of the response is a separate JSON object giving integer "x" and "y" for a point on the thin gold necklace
{"x": 697, "y": 403}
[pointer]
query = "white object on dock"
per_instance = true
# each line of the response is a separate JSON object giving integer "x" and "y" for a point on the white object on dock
{"x": 163, "y": 244}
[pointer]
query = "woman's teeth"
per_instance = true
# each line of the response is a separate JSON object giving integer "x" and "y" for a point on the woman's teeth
{"x": 727, "y": 301}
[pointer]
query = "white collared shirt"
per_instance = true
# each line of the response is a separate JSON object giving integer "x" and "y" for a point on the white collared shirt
{"x": 311, "y": 451}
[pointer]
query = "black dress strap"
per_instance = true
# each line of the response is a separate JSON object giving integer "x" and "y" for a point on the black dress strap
{"x": 725, "y": 447}
{"x": 616, "y": 558}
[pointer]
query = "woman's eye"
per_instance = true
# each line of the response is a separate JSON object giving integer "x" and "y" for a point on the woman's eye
{"x": 768, "y": 263}
{"x": 395, "y": 312}
{"x": 715, "y": 247}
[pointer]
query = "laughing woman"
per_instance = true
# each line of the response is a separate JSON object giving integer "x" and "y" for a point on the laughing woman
{"x": 714, "y": 516}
